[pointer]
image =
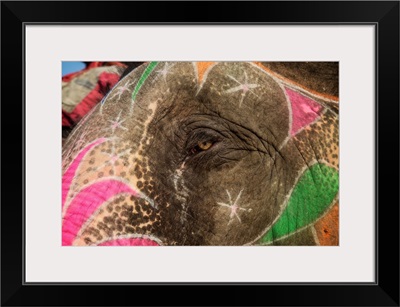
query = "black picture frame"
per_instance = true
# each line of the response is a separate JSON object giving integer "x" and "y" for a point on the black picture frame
{"x": 384, "y": 15}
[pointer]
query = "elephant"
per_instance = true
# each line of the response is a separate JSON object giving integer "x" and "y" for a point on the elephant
{"x": 207, "y": 154}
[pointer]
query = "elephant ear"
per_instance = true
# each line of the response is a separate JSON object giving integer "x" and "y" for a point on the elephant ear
{"x": 304, "y": 110}
{"x": 312, "y": 197}
{"x": 309, "y": 214}
{"x": 307, "y": 103}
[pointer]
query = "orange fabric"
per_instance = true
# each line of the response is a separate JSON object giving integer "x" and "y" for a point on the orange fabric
{"x": 334, "y": 98}
{"x": 202, "y": 67}
{"x": 327, "y": 228}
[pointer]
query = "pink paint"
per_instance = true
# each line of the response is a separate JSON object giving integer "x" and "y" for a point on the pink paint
{"x": 87, "y": 202}
{"x": 130, "y": 242}
{"x": 70, "y": 173}
{"x": 304, "y": 110}
{"x": 234, "y": 209}
{"x": 114, "y": 159}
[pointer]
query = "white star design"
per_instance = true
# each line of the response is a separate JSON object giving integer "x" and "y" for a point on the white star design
{"x": 121, "y": 89}
{"x": 233, "y": 207}
{"x": 165, "y": 71}
{"x": 117, "y": 123}
{"x": 244, "y": 87}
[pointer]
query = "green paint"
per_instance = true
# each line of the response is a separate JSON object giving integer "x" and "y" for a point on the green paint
{"x": 143, "y": 78}
{"x": 313, "y": 194}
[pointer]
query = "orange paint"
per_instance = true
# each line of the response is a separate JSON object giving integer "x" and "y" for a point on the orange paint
{"x": 290, "y": 82}
{"x": 327, "y": 228}
{"x": 202, "y": 68}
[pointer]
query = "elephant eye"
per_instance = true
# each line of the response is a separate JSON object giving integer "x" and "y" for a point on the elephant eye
{"x": 201, "y": 146}
{"x": 201, "y": 141}
{"x": 205, "y": 145}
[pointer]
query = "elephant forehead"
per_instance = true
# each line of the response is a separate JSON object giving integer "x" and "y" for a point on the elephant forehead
{"x": 248, "y": 97}
{"x": 237, "y": 91}
{"x": 226, "y": 79}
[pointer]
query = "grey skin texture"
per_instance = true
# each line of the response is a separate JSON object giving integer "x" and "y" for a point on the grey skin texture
{"x": 209, "y": 156}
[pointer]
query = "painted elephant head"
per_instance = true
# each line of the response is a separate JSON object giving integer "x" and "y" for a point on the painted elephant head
{"x": 203, "y": 153}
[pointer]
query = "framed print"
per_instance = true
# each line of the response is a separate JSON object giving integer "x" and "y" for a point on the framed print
{"x": 200, "y": 157}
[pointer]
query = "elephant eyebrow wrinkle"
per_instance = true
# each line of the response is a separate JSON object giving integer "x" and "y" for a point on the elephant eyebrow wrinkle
{"x": 229, "y": 124}
{"x": 264, "y": 147}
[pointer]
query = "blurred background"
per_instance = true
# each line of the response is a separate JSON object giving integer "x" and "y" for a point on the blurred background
{"x": 84, "y": 84}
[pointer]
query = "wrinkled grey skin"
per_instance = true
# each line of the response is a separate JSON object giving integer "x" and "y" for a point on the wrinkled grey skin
{"x": 188, "y": 161}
